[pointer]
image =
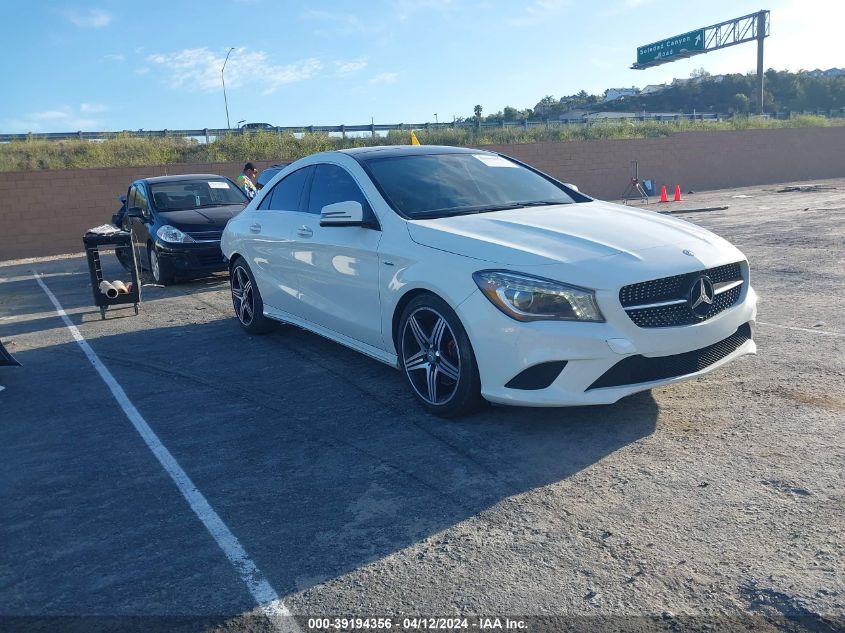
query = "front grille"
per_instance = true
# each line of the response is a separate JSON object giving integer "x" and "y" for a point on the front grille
{"x": 638, "y": 369}
{"x": 675, "y": 289}
{"x": 206, "y": 236}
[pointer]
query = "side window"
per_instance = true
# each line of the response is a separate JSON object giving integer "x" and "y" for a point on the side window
{"x": 130, "y": 198}
{"x": 286, "y": 193}
{"x": 141, "y": 200}
{"x": 334, "y": 184}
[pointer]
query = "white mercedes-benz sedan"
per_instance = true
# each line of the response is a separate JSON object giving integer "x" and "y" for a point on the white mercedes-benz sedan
{"x": 481, "y": 278}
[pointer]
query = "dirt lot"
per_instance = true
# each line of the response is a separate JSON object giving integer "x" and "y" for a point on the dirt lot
{"x": 713, "y": 504}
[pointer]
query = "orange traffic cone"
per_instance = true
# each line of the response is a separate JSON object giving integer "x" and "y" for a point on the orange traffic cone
{"x": 663, "y": 196}
{"x": 677, "y": 193}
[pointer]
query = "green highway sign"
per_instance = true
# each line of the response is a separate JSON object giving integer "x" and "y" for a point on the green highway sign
{"x": 671, "y": 48}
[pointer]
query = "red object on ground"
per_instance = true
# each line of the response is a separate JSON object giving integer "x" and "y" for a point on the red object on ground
{"x": 663, "y": 196}
{"x": 677, "y": 193}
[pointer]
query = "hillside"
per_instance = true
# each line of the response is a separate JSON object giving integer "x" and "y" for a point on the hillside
{"x": 816, "y": 91}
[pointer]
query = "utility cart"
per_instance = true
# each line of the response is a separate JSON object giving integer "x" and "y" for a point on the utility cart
{"x": 112, "y": 239}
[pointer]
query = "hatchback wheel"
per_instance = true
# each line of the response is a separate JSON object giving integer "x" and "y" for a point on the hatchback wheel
{"x": 160, "y": 270}
{"x": 437, "y": 358}
{"x": 249, "y": 308}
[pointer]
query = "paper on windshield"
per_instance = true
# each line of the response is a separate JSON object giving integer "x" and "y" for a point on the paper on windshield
{"x": 216, "y": 184}
{"x": 494, "y": 161}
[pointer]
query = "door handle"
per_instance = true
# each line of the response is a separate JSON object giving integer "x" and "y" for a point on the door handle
{"x": 255, "y": 228}
{"x": 304, "y": 231}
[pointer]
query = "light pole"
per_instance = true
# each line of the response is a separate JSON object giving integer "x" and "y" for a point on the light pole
{"x": 435, "y": 119}
{"x": 226, "y": 101}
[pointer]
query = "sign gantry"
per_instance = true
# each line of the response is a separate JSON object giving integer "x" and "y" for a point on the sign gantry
{"x": 754, "y": 26}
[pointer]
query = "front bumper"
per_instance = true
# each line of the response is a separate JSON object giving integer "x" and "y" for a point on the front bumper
{"x": 505, "y": 347}
{"x": 191, "y": 258}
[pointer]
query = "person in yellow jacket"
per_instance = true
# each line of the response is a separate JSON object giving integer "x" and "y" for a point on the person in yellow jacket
{"x": 246, "y": 181}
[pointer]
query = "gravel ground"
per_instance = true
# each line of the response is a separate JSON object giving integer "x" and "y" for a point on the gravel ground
{"x": 715, "y": 504}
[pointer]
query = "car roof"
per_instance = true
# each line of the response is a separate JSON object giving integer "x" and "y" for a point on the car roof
{"x": 383, "y": 151}
{"x": 157, "y": 179}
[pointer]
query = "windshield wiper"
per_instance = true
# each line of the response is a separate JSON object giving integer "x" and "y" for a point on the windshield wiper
{"x": 448, "y": 213}
{"x": 541, "y": 203}
{"x": 217, "y": 204}
{"x": 441, "y": 213}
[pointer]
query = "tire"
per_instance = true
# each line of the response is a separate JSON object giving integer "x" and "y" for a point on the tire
{"x": 246, "y": 300}
{"x": 437, "y": 358}
{"x": 160, "y": 270}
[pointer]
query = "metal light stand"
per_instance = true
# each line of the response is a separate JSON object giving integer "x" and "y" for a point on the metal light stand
{"x": 635, "y": 188}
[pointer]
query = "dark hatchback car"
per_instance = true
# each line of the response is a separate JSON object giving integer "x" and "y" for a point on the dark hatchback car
{"x": 176, "y": 223}
{"x": 268, "y": 172}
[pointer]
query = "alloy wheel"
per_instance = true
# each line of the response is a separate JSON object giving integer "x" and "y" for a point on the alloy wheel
{"x": 155, "y": 265}
{"x": 430, "y": 356}
{"x": 243, "y": 297}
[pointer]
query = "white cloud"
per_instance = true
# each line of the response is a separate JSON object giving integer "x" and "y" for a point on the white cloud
{"x": 406, "y": 9}
{"x": 50, "y": 115}
{"x": 384, "y": 78}
{"x": 539, "y": 12}
{"x": 90, "y": 19}
{"x": 60, "y": 119}
{"x": 351, "y": 66}
{"x": 114, "y": 57}
{"x": 143, "y": 70}
{"x": 348, "y": 20}
{"x": 92, "y": 108}
{"x": 337, "y": 24}
{"x": 199, "y": 69}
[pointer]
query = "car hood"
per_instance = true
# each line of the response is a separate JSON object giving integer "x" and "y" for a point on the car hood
{"x": 207, "y": 218}
{"x": 554, "y": 234}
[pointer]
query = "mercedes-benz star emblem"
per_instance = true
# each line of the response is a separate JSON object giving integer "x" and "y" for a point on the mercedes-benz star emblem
{"x": 701, "y": 297}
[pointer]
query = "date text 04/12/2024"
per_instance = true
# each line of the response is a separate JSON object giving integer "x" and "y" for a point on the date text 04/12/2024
{"x": 416, "y": 624}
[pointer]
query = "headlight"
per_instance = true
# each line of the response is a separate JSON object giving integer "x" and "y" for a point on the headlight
{"x": 527, "y": 298}
{"x": 169, "y": 233}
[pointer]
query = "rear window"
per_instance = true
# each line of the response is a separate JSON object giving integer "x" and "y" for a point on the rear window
{"x": 438, "y": 185}
{"x": 194, "y": 194}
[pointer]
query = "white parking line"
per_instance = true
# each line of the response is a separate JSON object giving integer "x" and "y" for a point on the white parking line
{"x": 268, "y": 600}
{"x": 802, "y": 329}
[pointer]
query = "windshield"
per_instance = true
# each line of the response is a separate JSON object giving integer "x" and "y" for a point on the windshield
{"x": 440, "y": 185}
{"x": 194, "y": 194}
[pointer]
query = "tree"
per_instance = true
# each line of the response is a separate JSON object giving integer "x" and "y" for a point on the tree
{"x": 741, "y": 103}
{"x": 477, "y": 111}
{"x": 511, "y": 114}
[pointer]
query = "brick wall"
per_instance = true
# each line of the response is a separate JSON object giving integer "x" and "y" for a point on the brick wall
{"x": 695, "y": 160}
{"x": 47, "y": 212}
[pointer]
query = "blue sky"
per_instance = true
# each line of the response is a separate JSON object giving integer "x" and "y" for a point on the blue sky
{"x": 121, "y": 64}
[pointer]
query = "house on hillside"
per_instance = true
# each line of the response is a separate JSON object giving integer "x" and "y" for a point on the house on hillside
{"x": 830, "y": 72}
{"x": 612, "y": 94}
{"x": 653, "y": 89}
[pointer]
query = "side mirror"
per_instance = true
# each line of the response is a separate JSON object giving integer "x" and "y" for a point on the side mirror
{"x": 346, "y": 213}
{"x": 571, "y": 186}
{"x": 135, "y": 212}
